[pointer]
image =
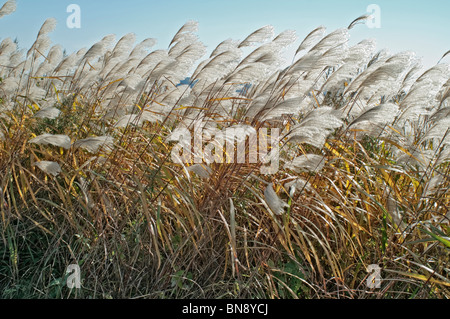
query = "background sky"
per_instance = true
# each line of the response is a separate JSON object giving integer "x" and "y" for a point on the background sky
{"x": 420, "y": 26}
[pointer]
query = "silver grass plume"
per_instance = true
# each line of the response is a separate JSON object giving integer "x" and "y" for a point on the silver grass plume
{"x": 8, "y": 8}
{"x": 381, "y": 114}
{"x": 275, "y": 204}
{"x": 66, "y": 64}
{"x": 42, "y": 40}
{"x": 377, "y": 60}
{"x": 56, "y": 140}
{"x": 123, "y": 46}
{"x": 297, "y": 184}
{"x": 7, "y": 46}
{"x": 16, "y": 58}
{"x": 443, "y": 156}
{"x": 100, "y": 47}
{"x": 142, "y": 48}
{"x": 54, "y": 57}
{"x": 437, "y": 74}
{"x": 423, "y": 93}
{"x": 316, "y": 126}
{"x": 201, "y": 170}
{"x": 381, "y": 55}
{"x": 179, "y": 46}
{"x": 84, "y": 185}
{"x": 121, "y": 69}
{"x": 285, "y": 38}
{"x": 218, "y": 66}
{"x": 48, "y": 26}
{"x": 248, "y": 73}
{"x": 9, "y": 85}
{"x": 275, "y": 81}
{"x": 384, "y": 76}
{"x": 256, "y": 54}
{"x": 166, "y": 67}
{"x": 188, "y": 27}
{"x": 259, "y": 36}
{"x": 445, "y": 54}
{"x": 267, "y": 53}
{"x": 394, "y": 211}
{"x": 308, "y": 162}
{"x": 138, "y": 119}
{"x": 412, "y": 75}
{"x": 433, "y": 185}
{"x": 332, "y": 57}
{"x": 358, "y": 20}
{"x": 324, "y": 54}
{"x": 440, "y": 114}
{"x": 339, "y": 78}
{"x": 48, "y": 113}
{"x": 224, "y": 46}
{"x": 35, "y": 93}
{"x": 191, "y": 53}
{"x": 445, "y": 96}
{"x": 94, "y": 144}
{"x": 304, "y": 64}
{"x": 311, "y": 38}
{"x": 288, "y": 106}
{"x": 171, "y": 97}
{"x": 416, "y": 156}
{"x": 51, "y": 168}
{"x": 132, "y": 81}
{"x": 259, "y": 103}
{"x": 269, "y": 59}
{"x": 439, "y": 131}
{"x": 334, "y": 39}
{"x": 42, "y": 45}
{"x": 150, "y": 61}
{"x": 359, "y": 54}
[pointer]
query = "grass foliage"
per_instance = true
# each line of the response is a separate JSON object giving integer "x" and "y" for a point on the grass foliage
{"x": 364, "y": 170}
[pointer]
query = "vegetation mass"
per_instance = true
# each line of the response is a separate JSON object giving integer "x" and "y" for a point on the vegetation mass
{"x": 87, "y": 174}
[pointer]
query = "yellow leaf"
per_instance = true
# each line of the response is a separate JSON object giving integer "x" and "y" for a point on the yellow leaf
{"x": 424, "y": 278}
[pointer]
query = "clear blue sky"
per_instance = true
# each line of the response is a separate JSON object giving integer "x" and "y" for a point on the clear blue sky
{"x": 420, "y": 26}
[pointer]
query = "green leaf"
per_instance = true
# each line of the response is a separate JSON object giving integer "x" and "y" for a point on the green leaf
{"x": 443, "y": 240}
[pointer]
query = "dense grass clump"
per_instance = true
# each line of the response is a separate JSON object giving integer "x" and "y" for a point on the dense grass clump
{"x": 87, "y": 174}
